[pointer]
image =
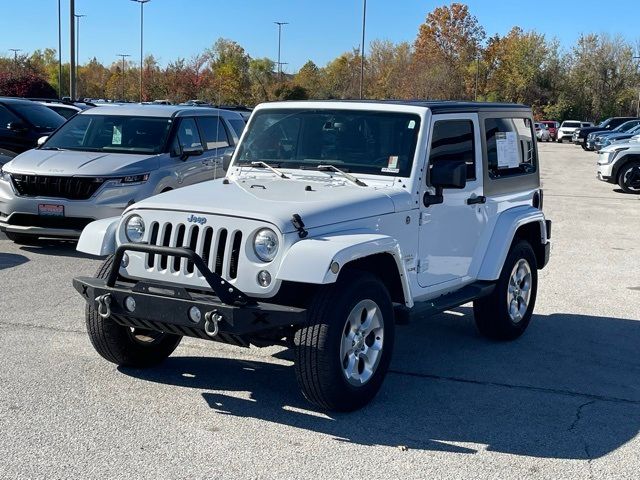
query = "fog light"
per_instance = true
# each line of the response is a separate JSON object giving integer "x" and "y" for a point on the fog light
{"x": 125, "y": 261}
{"x": 130, "y": 303}
{"x": 195, "y": 315}
{"x": 264, "y": 278}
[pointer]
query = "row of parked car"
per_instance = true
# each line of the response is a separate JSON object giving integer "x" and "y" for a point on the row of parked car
{"x": 616, "y": 140}
{"x": 101, "y": 159}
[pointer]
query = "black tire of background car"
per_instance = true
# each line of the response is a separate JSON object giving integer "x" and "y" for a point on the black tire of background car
{"x": 317, "y": 344}
{"x": 491, "y": 312}
{"x": 115, "y": 343}
{"x": 624, "y": 183}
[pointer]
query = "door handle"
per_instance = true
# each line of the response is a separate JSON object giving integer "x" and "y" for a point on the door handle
{"x": 478, "y": 199}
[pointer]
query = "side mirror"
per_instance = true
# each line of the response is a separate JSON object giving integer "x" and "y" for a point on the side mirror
{"x": 191, "y": 152}
{"x": 17, "y": 126}
{"x": 41, "y": 140}
{"x": 445, "y": 174}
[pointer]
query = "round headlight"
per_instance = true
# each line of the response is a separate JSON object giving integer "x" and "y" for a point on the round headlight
{"x": 134, "y": 228}
{"x": 265, "y": 244}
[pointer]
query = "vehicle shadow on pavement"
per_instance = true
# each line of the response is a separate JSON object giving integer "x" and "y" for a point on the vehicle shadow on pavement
{"x": 569, "y": 388}
{"x": 9, "y": 260}
{"x": 56, "y": 248}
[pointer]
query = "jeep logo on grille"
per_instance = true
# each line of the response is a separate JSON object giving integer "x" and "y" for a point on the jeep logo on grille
{"x": 198, "y": 220}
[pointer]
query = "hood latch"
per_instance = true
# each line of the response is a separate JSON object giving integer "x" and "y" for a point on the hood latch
{"x": 298, "y": 224}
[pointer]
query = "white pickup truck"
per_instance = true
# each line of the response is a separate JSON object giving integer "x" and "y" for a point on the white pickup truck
{"x": 335, "y": 220}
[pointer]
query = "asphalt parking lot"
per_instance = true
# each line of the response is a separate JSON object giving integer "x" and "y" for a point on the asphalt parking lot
{"x": 563, "y": 401}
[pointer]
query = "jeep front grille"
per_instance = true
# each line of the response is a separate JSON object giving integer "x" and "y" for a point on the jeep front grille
{"x": 72, "y": 188}
{"x": 219, "y": 248}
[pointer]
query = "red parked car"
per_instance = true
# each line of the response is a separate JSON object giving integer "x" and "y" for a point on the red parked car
{"x": 552, "y": 126}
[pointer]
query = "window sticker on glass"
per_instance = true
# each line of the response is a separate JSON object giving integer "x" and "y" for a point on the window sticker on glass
{"x": 116, "y": 137}
{"x": 507, "y": 149}
{"x": 392, "y": 165}
{"x": 412, "y": 124}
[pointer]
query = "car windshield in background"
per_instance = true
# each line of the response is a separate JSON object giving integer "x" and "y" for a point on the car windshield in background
{"x": 39, "y": 116}
{"x": 571, "y": 124}
{"x": 111, "y": 133}
{"x": 355, "y": 141}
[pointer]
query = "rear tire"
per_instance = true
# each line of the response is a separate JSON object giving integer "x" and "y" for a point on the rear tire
{"x": 21, "y": 239}
{"x": 559, "y": 140}
{"x": 122, "y": 345}
{"x": 343, "y": 352}
{"x": 629, "y": 177}
{"x": 506, "y": 313}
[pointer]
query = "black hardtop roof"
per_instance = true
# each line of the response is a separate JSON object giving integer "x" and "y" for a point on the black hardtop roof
{"x": 444, "y": 106}
{"x": 16, "y": 100}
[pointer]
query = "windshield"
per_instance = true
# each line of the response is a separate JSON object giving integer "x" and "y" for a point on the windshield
{"x": 626, "y": 127}
{"x": 571, "y": 124}
{"x": 379, "y": 143}
{"x": 39, "y": 116}
{"x": 111, "y": 133}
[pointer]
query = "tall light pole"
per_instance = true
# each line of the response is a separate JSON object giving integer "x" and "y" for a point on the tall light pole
{"x": 78, "y": 17}
{"x": 637, "y": 106}
{"x": 123, "y": 56}
{"x": 15, "y": 54}
{"x": 364, "y": 22}
{"x": 59, "y": 51}
{"x": 141, "y": 2}
{"x": 72, "y": 49}
{"x": 280, "y": 24}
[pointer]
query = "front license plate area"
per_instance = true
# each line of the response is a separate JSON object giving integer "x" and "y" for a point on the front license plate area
{"x": 50, "y": 210}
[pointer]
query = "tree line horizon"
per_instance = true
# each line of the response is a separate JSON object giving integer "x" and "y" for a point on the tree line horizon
{"x": 452, "y": 58}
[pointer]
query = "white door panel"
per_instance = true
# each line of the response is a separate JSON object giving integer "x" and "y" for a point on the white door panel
{"x": 451, "y": 232}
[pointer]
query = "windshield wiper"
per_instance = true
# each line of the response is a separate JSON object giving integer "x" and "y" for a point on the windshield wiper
{"x": 269, "y": 167}
{"x": 348, "y": 176}
{"x": 51, "y": 148}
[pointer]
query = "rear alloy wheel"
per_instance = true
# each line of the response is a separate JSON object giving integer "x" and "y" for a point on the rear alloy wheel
{"x": 344, "y": 350}
{"x": 505, "y": 313}
{"x": 629, "y": 177}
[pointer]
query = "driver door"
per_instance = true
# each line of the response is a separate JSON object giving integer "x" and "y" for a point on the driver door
{"x": 450, "y": 231}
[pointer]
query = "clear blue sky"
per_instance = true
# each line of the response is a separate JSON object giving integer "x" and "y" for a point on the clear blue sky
{"x": 319, "y": 30}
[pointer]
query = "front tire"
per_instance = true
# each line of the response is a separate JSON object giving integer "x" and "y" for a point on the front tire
{"x": 122, "y": 345}
{"x": 343, "y": 352}
{"x": 506, "y": 313}
{"x": 629, "y": 177}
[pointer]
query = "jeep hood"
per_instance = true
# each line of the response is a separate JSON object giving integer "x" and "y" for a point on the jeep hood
{"x": 277, "y": 200}
{"x": 68, "y": 163}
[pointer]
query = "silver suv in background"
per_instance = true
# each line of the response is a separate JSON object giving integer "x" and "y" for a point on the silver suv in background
{"x": 105, "y": 159}
{"x": 568, "y": 127}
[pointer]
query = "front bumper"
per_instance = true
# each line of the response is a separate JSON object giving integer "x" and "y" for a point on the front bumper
{"x": 165, "y": 307}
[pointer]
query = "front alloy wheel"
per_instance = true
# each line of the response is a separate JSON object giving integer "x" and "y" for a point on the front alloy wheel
{"x": 362, "y": 342}
{"x": 519, "y": 290}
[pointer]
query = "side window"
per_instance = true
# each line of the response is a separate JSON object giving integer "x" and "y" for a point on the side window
{"x": 452, "y": 140}
{"x": 215, "y": 134}
{"x": 510, "y": 147}
{"x": 187, "y": 136}
{"x": 5, "y": 117}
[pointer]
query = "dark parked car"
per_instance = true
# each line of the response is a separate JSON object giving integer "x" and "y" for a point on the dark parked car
{"x": 23, "y": 122}
{"x": 580, "y": 136}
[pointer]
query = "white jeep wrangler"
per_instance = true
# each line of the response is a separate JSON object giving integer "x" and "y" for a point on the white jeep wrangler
{"x": 335, "y": 219}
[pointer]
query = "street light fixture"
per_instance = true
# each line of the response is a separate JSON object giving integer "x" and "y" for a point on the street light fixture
{"x": 123, "y": 56}
{"x": 141, "y": 2}
{"x": 78, "y": 17}
{"x": 15, "y": 54}
{"x": 280, "y": 24}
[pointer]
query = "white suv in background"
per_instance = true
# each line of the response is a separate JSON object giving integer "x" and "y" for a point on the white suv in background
{"x": 619, "y": 163}
{"x": 568, "y": 127}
